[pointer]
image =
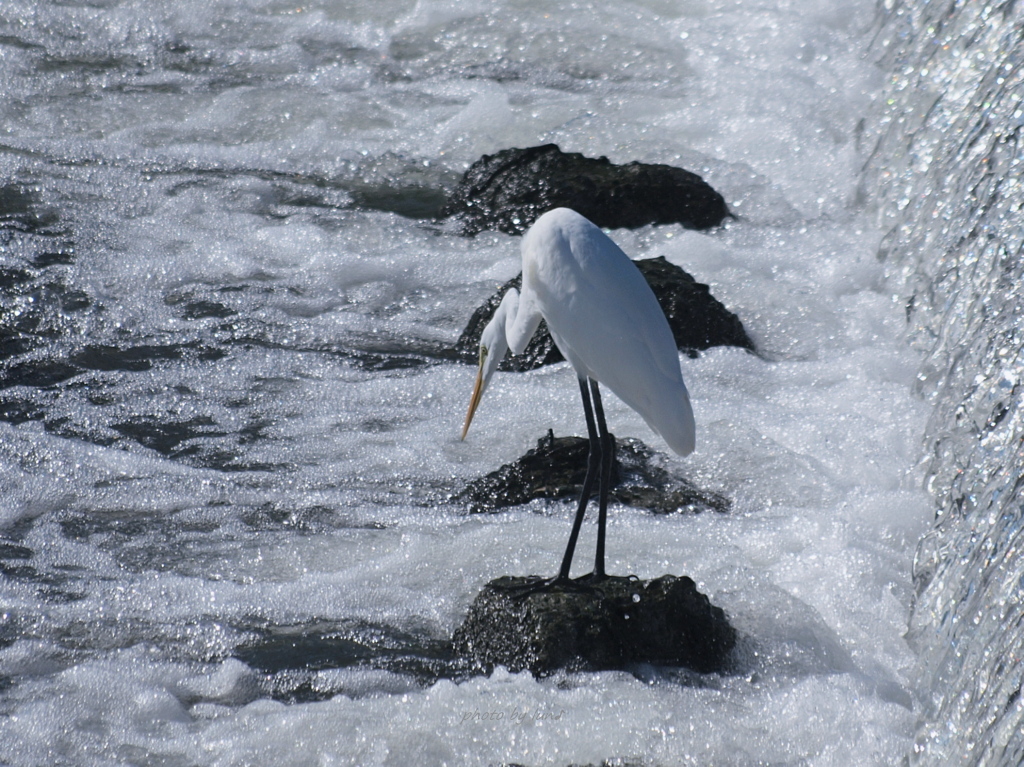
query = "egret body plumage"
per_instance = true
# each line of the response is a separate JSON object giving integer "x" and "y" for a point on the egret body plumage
{"x": 605, "y": 320}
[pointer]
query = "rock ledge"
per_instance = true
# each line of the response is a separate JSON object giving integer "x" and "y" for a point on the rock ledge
{"x": 698, "y": 320}
{"x": 508, "y": 190}
{"x": 616, "y": 623}
{"x": 557, "y": 467}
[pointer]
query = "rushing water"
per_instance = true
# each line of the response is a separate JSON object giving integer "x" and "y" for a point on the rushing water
{"x": 949, "y": 164}
{"x": 229, "y": 427}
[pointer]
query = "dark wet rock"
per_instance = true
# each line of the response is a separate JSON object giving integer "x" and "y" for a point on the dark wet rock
{"x": 613, "y": 624}
{"x": 555, "y": 470}
{"x": 698, "y": 320}
{"x": 507, "y": 191}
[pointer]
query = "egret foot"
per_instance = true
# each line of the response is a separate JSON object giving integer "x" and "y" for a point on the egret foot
{"x": 535, "y": 584}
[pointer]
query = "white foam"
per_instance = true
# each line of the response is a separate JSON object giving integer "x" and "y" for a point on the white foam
{"x": 814, "y": 439}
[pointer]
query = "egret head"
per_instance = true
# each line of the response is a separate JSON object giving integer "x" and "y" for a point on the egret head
{"x": 493, "y": 346}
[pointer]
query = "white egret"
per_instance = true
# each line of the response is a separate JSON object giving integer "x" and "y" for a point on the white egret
{"x": 605, "y": 320}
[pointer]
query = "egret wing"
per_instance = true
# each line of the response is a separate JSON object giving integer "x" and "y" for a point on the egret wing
{"x": 608, "y": 324}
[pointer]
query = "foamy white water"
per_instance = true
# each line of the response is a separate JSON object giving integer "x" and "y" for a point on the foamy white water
{"x": 214, "y": 186}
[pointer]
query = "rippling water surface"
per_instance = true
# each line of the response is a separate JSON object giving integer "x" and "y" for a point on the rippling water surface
{"x": 229, "y": 420}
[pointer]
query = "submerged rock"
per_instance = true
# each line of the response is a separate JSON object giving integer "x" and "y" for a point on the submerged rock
{"x": 508, "y": 190}
{"x": 555, "y": 470}
{"x": 698, "y": 320}
{"x": 615, "y": 623}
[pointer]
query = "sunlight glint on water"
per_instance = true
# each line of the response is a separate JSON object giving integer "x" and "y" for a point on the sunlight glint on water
{"x": 234, "y": 544}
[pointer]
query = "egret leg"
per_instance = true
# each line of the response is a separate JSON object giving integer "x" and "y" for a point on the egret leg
{"x": 607, "y": 457}
{"x": 593, "y": 466}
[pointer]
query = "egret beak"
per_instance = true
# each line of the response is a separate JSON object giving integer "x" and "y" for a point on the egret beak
{"x": 493, "y": 346}
{"x": 478, "y": 393}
